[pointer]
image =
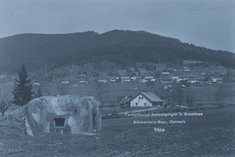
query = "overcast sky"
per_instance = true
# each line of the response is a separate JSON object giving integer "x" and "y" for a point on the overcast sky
{"x": 209, "y": 23}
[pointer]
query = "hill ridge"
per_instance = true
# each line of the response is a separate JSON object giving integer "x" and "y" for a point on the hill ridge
{"x": 123, "y": 47}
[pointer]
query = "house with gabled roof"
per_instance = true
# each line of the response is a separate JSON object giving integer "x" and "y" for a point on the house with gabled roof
{"x": 146, "y": 99}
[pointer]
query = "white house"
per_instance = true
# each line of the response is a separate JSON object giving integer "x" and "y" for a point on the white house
{"x": 64, "y": 82}
{"x": 125, "y": 81}
{"x": 165, "y": 73}
{"x": 146, "y": 99}
{"x": 36, "y": 84}
{"x": 149, "y": 77}
{"x": 143, "y": 80}
{"x": 102, "y": 81}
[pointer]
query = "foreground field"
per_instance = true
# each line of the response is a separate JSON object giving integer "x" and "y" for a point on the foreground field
{"x": 209, "y": 136}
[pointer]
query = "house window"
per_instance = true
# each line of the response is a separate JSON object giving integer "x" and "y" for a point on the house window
{"x": 59, "y": 122}
{"x": 145, "y": 104}
{"x": 136, "y": 104}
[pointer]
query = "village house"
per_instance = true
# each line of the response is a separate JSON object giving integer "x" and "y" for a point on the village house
{"x": 149, "y": 77}
{"x": 102, "y": 81}
{"x": 64, "y": 82}
{"x": 146, "y": 99}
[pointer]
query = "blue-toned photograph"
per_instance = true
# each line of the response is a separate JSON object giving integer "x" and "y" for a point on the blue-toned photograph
{"x": 117, "y": 78}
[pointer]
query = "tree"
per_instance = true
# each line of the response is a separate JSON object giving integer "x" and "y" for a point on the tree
{"x": 101, "y": 89}
{"x": 149, "y": 85}
{"x": 42, "y": 75}
{"x": 206, "y": 78}
{"x": 23, "y": 88}
{"x": 61, "y": 89}
{"x": 189, "y": 97}
{"x": 178, "y": 95}
{"x": 228, "y": 75}
{"x": 219, "y": 93}
{"x": 189, "y": 100}
{"x": 4, "y": 105}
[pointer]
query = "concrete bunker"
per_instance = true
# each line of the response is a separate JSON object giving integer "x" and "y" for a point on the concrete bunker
{"x": 63, "y": 115}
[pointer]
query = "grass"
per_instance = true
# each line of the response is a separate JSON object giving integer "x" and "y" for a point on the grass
{"x": 115, "y": 91}
{"x": 211, "y": 135}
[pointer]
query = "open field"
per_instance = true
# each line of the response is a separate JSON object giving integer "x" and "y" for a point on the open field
{"x": 115, "y": 91}
{"x": 112, "y": 93}
{"x": 212, "y": 135}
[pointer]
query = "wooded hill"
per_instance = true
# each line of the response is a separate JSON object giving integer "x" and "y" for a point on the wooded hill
{"x": 122, "y": 47}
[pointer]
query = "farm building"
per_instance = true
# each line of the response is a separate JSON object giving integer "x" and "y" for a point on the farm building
{"x": 146, "y": 99}
{"x": 63, "y": 115}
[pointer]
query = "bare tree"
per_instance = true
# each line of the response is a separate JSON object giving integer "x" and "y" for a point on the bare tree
{"x": 42, "y": 75}
{"x": 61, "y": 89}
{"x": 178, "y": 95}
{"x": 4, "y": 105}
{"x": 101, "y": 89}
{"x": 227, "y": 77}
{"x": 150, "y": 85}
{"x": 219, "y": 93}
{"x": 189, "y": 97}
